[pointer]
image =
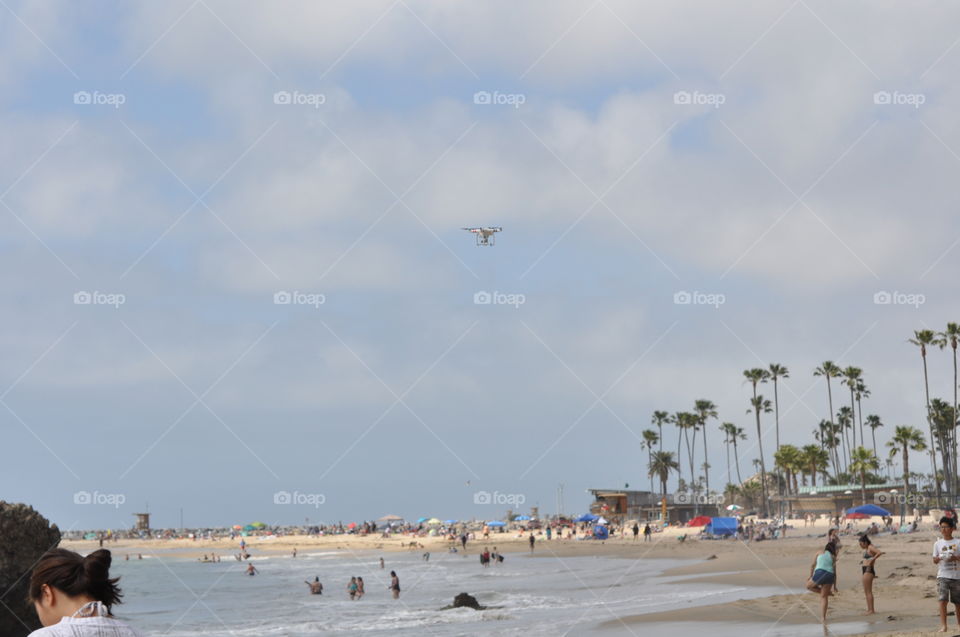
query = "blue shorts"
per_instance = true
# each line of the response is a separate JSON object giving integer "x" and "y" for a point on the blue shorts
{"x": 821, "y": 577}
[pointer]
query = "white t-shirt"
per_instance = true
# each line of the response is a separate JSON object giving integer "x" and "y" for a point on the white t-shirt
{"x": 944, "y": 549}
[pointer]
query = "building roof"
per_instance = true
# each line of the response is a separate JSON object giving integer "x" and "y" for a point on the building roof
{"x": 840, "y": 488}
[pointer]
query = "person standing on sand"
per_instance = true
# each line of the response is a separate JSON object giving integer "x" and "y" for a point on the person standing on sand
{"x": 73, "y": 596}
{"x": 647, "y": 532}
{"x": 394, "y": 584}
{"x": 946, "y": 554}
{"x": 360, "y": 590}
{"x": 532, "y": 541}
{"x": 381, "y": 563}
{"x": 823, "y": 574}
{"x": 869, "y": 573}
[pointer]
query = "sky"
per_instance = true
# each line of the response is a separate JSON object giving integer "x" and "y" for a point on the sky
{"x": 238, "y": 287}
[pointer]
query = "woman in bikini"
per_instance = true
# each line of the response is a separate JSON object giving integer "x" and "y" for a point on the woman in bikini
{"x": 870, "y": 555}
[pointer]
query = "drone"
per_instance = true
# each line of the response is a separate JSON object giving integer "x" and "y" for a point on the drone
{"x": 485, "y": 236}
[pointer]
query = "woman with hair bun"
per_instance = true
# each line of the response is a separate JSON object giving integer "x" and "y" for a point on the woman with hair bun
{"x": 73, "y": 596}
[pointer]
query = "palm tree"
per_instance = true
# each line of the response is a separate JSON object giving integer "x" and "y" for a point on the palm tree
{"x": 950, "y": 336}
{"x": 815, "y": 459}
{"x": 829, "y": 370}
{"x": 756, "y": 376}
{"x": 906, "y": 439}
{"x": 923, "y": 338}
{"x": 788, "y": 458}
{"x": 733, "y": 433}
{"x": 845, "y": 422}
{"x": 944, "y": 425}
{"x": 705, "y": 409}
{"x": 660, "y": 418}
{"x": 777, "y": 372}
{"x": 661, "y": 464}
{"x": 873, "y": 421}
{"x": 650, "y": 438}
{"x": 861, "y": 393}
{"x": 851, "y": 375}
{"x": 862, "y": 461}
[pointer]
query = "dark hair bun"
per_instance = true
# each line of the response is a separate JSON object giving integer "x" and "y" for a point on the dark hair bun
{"x": 96, "y": 566}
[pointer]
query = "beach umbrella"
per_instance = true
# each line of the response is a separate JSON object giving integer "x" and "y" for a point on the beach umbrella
{"x": 352, "y": 525}
{"x": 248, "y": 527}
{"x": 496, "y": 523}
{"x": 390, "y": 518}
{"x": 434, "y": 521}
{"x": 449, "y": 521}
{"x": 258, "y": 525}
{"x": 586, "y": 517}
{"x": 700, "y": 520}
{"x": 869, "y": 509}
{"x": 237, "y": 527}
{"x": 422, "y": 520}
{"x": 522, "y": 518}
{"x": 734, "y": 507}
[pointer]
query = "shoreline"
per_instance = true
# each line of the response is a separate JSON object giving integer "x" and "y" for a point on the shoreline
{"x": 905, "y": 588}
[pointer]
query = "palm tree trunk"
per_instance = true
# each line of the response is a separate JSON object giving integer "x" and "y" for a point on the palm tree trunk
{"x": 763, "y": 465}
{"x": 776, "y": 413}
{"x": 873, "y": 434}
{"x": 863, "y": 440}
{"x": 953, "y": 428}
{"x": 726, "y": 443}
{"x": 933, "y": 446}
{"x": 813, "y": 474}
{"x": 736, "y": 457}
{"x": 650, "y": 465}
{"x": 906, "y": 482}
{"x": 706, "y": 462}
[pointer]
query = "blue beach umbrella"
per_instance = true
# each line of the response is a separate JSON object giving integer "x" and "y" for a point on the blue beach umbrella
{"x": 496, "y": 523}
{"x": 869, "y": 509}
{"x": 522, "y": 518}
{"x": 422, "y": 520}
{"x": 449, "y": 521}
{"x": 587, "y": 518}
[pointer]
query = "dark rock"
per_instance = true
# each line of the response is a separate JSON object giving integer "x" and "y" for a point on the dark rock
{"x": 712, "y": 557}
{"x": 465, "y": 600}
{"x": 26, "y": 535}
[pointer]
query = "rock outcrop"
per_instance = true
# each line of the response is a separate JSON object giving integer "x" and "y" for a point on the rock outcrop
{"x": 465, "y": 600}
{"x": 25, "y": 535}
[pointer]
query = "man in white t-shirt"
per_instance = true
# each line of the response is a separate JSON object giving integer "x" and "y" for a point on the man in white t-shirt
{"x": 946, "y": 555}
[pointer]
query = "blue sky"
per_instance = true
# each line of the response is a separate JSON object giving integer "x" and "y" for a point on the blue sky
{"x": 797, "y": 198}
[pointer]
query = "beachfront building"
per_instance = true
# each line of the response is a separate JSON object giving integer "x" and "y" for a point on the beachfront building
{"x": 621, "y": 505}
{"x": 835, "y": 499}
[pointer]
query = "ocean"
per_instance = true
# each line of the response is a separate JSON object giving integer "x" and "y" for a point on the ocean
{"x": 542, "y": 595}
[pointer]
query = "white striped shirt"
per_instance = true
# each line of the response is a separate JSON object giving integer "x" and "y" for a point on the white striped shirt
{"x": 90, "y": 621}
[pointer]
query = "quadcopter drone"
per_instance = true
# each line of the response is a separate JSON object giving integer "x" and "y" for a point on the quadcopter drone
{"x": 485, "y": 236}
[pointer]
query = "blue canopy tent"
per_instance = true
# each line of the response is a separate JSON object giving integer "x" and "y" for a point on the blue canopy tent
{"x": 600, "y": 532}
{"x": 586, "y": 517}
{"x": 521, "y": 518}
{"x": 722, "y": 526}
{"x": 869, "y": 509}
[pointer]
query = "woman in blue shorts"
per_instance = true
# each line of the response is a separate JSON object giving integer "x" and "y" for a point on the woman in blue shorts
{"x": 823, "y": 575}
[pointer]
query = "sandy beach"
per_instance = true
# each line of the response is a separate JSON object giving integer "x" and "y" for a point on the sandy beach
{"x": 904, "y": 589}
